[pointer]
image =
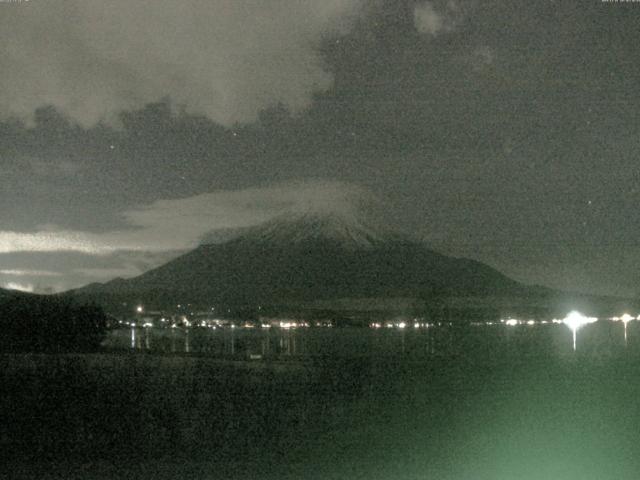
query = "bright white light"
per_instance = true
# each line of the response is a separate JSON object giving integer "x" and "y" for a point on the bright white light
{"x": 512, "y": 322}
{"x": 531, "y": 322}
{"x": 575, "y": 321}
{"x": 402, "y": 325}
{"x": 626, "y": 318}
{"x": 139, "y": 309}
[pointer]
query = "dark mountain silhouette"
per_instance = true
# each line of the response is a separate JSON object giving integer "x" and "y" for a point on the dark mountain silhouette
{"x": 309, "y": 257}
{"x": 6, "y": 295}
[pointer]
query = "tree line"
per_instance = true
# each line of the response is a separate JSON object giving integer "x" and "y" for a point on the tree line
{"x": 34, "y": 323}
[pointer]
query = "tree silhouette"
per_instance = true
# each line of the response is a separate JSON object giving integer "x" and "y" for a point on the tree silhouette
{"x": 50, "y": 324}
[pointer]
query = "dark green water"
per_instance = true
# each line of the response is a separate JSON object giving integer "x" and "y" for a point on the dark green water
{"x": 481, "y": 341}
{"x": 527, "y": 408}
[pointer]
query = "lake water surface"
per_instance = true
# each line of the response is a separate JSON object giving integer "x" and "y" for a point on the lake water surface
{"x": 484, "y": 402}
{"x": 598, "y": 339}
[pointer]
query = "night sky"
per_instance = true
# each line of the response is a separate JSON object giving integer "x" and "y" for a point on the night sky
{"x": 504, "y": 131}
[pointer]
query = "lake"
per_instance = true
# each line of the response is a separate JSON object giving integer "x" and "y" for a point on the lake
{"x": 413, "y": 342}
{"x": 484, "y": 402}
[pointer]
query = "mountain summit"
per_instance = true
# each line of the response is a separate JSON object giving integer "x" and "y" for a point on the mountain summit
{"x": 344, "y": 229}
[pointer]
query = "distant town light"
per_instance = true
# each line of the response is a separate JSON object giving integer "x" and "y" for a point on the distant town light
{"x": 512, "y": 322}
{"x": 139, "y": 309}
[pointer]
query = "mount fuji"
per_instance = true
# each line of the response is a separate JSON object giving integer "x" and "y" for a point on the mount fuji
{"x": 304, "y": 257}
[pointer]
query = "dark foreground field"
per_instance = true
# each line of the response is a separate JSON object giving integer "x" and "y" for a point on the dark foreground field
{"x": 107, "y": 416}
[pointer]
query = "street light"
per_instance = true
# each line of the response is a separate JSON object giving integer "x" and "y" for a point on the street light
{"x": 626, "y": 318}
{"x": 575, "y": 321}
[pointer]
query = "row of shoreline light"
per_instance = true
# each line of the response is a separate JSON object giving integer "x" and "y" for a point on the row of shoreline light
{"x": 574, "y": 320}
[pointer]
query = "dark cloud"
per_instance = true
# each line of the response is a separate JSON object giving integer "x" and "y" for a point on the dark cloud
{"x": 92, "y": 59}
{"x": 502, "y": 130}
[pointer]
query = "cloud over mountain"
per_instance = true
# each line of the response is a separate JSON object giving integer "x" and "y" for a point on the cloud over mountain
{"x": 181, "y": 223}
{"x": 151, "y": 234}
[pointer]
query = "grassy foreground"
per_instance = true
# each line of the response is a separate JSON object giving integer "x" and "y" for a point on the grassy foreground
{"x": 109, "y": 416}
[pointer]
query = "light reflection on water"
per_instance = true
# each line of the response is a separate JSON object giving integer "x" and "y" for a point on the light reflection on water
{"x": 466, "y": 418}
{"x": 599, "y": 339}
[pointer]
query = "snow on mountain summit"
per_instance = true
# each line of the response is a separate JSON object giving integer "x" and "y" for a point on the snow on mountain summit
{"x": 347, "y": 229}
{"x": 335, "y": 214}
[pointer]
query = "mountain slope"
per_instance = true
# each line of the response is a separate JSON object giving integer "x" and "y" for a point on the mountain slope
{"x": 309, "y": 257}
{"x": 5, "y": 294}
{"x": 9, "y": 294}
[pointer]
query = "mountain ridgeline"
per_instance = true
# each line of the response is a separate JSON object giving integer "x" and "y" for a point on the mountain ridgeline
{"x": 306, "y": 259}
